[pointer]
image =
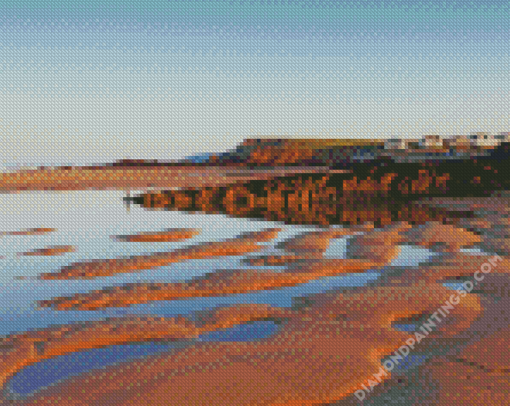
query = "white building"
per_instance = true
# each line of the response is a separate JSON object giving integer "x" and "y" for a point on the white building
{"x": 431, "y": 141}
{"x": 483, "y": 140}
{"x": 502, "y": 137}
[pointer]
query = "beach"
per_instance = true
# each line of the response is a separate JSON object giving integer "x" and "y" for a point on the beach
{"x": 197, "y": 300}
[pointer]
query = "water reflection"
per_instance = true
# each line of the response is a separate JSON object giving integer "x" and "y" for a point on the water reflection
{"x": 309, "y": 199}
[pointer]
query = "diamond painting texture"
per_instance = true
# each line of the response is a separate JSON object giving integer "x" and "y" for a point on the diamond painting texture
{"x": 254, "y": 202}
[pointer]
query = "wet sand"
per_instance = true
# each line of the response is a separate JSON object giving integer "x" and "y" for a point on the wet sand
{"x": 384, "y": 243}
{"x": 380, "y": 245}
{"x": 281, "y": 260}
{"x": 222, "y": 282}
{"x": 442, "y": 237}
{"x": 29, "y": 231}
{"x": 98, "y": 268}
{"x": 176, "y": 234}
{"x": 20, "y": 350}
{"x": 50, "y": 251}
{"x": 317, "y": 242}
{"x": 474, "y": 370}
{"x": 328, "y": 345}
{"x": 451, "y": 267}
{"x": 341, "y": 333}
{"x": 306, "y": 246}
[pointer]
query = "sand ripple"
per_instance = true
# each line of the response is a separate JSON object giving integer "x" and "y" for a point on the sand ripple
{"x": 93, "y": 269}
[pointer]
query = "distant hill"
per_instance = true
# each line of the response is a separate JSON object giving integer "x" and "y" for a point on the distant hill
{"x": 341, "y": 153}
{"x": 335, "y": 153}
{"x": 298, "y": 152}
{"x": 199, "y": 158}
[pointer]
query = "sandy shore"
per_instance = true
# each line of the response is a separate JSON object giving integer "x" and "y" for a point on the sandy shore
{"x": 177, "y": 234}
{"x": 341, "y": 332}
{"x": 49, "y": 251}
{"x": 138, "y": 178}
{"x": 240, "y": 245}
{"x": 328, "y": 345}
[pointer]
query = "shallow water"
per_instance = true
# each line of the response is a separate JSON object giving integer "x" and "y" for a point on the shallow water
{"x": 88, "y": 220}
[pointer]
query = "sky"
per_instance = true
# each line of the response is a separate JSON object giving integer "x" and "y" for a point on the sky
{"x": 91, "y": 82}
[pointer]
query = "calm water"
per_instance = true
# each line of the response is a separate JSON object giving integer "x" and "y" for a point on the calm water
{"x": 87, "y": 220}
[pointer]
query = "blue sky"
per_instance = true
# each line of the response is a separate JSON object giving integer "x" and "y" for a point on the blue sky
{"x": 84, "y": 82}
